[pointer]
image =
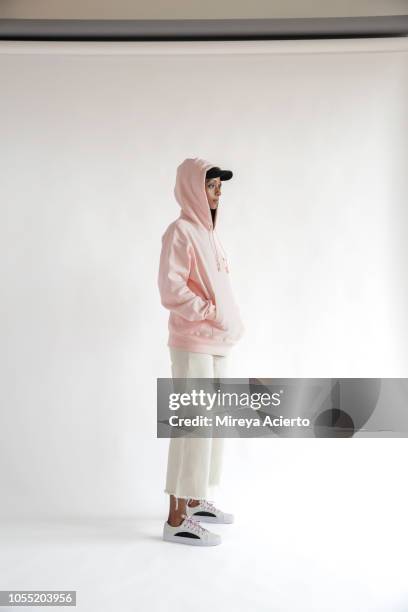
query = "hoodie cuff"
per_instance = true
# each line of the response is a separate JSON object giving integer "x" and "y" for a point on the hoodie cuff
{"x": 212, "y": 312}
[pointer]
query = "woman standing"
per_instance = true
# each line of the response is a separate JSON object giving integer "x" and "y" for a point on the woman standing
{"x": 204, "y": 324}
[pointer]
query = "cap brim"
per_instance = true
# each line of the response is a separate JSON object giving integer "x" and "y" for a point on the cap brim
{"x": 225, "y": 175}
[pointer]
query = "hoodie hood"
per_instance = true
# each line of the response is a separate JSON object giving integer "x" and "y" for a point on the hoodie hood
{"x": 192, "y": 198}
{"x": 190, "y": 191}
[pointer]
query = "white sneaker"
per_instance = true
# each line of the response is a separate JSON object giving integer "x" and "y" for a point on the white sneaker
{"x": 206, "y": 512}
{"x": 190, "y": 532}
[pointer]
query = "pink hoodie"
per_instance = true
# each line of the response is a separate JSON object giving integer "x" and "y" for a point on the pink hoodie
{"x": 194, "y": 279}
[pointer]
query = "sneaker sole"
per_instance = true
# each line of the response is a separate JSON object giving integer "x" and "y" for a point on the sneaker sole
{"x": 189, "y": 541}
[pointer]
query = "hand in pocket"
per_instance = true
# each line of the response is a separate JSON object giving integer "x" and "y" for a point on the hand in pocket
{"x": 219, "y": 319}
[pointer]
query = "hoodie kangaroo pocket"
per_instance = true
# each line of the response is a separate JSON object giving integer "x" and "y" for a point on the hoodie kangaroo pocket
{"x": 228, "y": 323}
{"x": 220, "y": 321}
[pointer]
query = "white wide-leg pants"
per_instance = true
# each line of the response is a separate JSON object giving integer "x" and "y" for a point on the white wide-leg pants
{"x": 194, "y": 464}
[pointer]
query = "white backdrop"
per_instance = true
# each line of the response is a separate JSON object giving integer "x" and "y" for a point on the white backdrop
{"x": 314, "y": 223}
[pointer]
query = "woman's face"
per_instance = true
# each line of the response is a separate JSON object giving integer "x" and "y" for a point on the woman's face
{"x": 213, "y": 191}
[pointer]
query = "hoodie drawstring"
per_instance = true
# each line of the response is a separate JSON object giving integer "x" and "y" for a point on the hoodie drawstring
{"x": 224, "y": 253}
{"x": 214, "y": 246}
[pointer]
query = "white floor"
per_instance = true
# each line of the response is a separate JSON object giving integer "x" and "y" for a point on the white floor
{"x": 291, "y": 561}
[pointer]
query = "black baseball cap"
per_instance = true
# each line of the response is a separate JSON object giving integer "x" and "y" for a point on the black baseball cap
{"x": 215, "y": 172}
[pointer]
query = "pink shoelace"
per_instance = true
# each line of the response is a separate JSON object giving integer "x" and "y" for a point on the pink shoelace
{"x": 192, "y": 524}
{"x": 207, "y": 505}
